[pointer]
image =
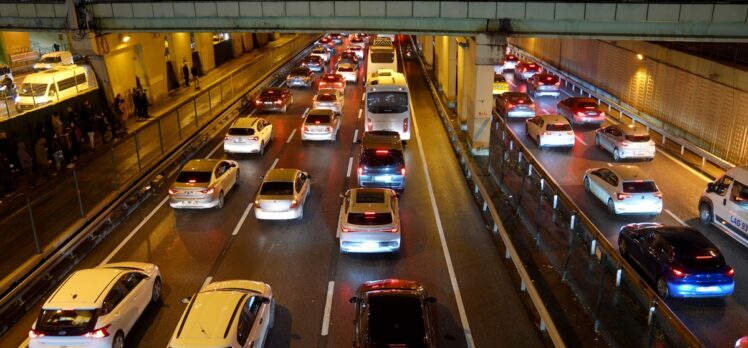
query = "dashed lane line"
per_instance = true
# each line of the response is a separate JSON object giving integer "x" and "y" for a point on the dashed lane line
{"x": 350, "y": 166}
{"x": 241, "y": 220}
{"x": 291, "y": 136}
{"x": 328, "y": 307}
{"x": 680, "y": 221}
{"x": 134, "y": 231}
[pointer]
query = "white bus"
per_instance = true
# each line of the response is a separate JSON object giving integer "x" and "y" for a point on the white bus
{"x": 388, "y": 103}
{"x": 382, "y": 55}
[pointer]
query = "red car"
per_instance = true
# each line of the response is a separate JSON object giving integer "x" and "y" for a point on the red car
{"x": 274, "y": 99}
{"x": 581, "y": 110}
{"x": 525, "y": 70}
{"x": 332, "y": 81}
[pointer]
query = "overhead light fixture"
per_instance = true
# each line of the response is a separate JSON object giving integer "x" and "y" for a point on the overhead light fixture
{"x": 639, "y": 56}
{"x": 124, "y": 38}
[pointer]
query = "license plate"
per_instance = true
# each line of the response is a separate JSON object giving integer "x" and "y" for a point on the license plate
{"x": 268, "y": 103}
{"x": 707, "y": 288}
{"x": 369, "y": 245}
{"x": 383, "y": 178}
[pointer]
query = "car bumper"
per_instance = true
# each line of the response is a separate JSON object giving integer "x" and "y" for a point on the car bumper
{"x": 682, "y": 290}
{"x": 71, "y": 342}
{"x": 588, "y": 120}
{"x": 317, "y": 136}
{"x": 396, "y": 182}
{"x": 197, "y": 203}
{"x": 567, "y": 141}
{"x": 373, "y": 246}
{"x": 278, "y": 215}
{"x": 242, "y": 148}
{"x": 649, "y": 153}
{"x": 295, "y": 83}
{"x": 350, "y": 78}
{"x": 521, "y": 113}
{"x": 542, "y": 92}
{"x": 641, "y": 208}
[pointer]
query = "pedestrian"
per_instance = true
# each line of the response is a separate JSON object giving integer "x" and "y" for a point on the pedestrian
{"x": 195, "y": 73}
{"x": 87, "y": 119}
{"x": 101, "y": 125}
{"x": 6, "y": 175}
{"x": 113, "y": 121}
{"x": 76, "y": 138}
{"x": 27, "y": 163}
{"x": 42, "y": 157}
{"x": 56, "y": 123}
{"x": 56, "y": 152}
{"x": 136, "y": 104}
{"x": 56, "y": 46}
{"x": 119, "y": 111}
{"x": 186, "y": 73}
{"x": 144, "y": 105}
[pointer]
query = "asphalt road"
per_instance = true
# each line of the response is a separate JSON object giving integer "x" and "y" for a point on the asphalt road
{"x": 445, "y": 242}
{"x": 716, "y": 322}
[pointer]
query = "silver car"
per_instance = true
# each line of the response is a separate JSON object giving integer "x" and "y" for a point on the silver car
{"x": 203, "y": 183}
{"x": 626, "y": 142}
{"x": 300, "y": 77}
{"x": 282, "y": 194}
{"x": 248, "y": 135}
{"x": 331, "y": 99}
{"x": 320, "y": 124}
{"x": 369, "y": 221}
{"x": 624, "y": 189}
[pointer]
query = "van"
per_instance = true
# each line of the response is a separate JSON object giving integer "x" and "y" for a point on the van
{"x": 725, "y": 203}
{"x": 52, "y": 85}
{"x": 53, "y": 60}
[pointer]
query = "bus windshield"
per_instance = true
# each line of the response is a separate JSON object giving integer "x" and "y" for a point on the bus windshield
{"x": 387, "y": 102}
{"x": 382, "y": 57}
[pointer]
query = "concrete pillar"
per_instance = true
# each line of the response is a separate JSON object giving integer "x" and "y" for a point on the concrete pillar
{"x": 427, "y": 43}
{"x": 247, "y": 42}
{"x": 261, "y": 39}
{"x": 236, "y": 44}
{"x": 204, "y": 47}
{"x": 446, "y": 65}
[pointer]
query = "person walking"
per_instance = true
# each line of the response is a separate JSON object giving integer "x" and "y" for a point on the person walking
{"x": 144, "y": 105}
{"x": 56, "y": 152}
{"x": 101, "y": 126}
{"x": 186, "y": 73}
{"x": 119, "y": 111}
{"x": 195, "y": 73}
{"x": 27, "y": 163}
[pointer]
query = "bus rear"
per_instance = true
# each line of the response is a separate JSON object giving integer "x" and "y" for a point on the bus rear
{"x": 388, "y": 105}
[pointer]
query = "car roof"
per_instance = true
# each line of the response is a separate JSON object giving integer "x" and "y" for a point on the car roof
{"x": 84, "y": 288}
{"x": 209, "y": 316}
{"x": 245, "y": 122}
{"x": 581, "y": 99}
{"x": 633, "y": 130}
{"x": 321, "y": 112}
{"x": 629, "y": 172}
{"x": 739, "y": 173}
{"x": 200, "y": 165}
{"x": 554, "y": 119}
{"x": 685, "y": 239}
{"x": 281, "y": 175}
{"x": 390, "y": 284}
{"x": 372, "y": 204}
{"x": 349, "y": 65}
{"x": 380, "y": 139}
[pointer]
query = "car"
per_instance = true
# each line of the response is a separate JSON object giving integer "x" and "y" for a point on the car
{"x": 248, "y": 135}
{"x": 499, "y": 84}
{"x": 624, "y": 189}
{"x": 678, "y": 259}
{"x": 358, "y": 51}
{"x": 349, "y": 57}
{"x": 525, "y": 70}
{"x": 514, "y": 104}
{"x": 282, "y": 194}
{"x": 331, "y": 99}
{"x": 97, "y": 307}
{"x": 336, "y": 38}
{"x": 394, "y": 313}
{"x": 231, "y": 313}
{"x": 314, "y": 63}
{"x": 357, "y": 41}
{"x": 626, "y": 141}
{"x": 348, "y": 71}
{"x": 203, "y": 183}
{"x": 300, "y": 77}
{"x": 509, "y": 62}
{"x": 326, "y": 40}
{"x": 581, "y": 110}
{"x": 320, "y": 124}
{"x": 332, "y": 81}
{"x": 369, "y": 221}
{"x": 550, "y": 130}
{"x": 724, "y": 203}
{"x": 321, "y": 52}
{"x": 381, "y": 162}
{"x": 544, "y": 84}
{"x": 274, "y": 99}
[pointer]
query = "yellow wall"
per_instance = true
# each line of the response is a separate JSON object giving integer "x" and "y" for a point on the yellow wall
{"x": 13, "y": 42}
{"x": 141, "y": 56}
{"x": 204, "y": 46}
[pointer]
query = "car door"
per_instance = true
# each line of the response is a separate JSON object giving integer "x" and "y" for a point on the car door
{"x": 136, "y": 284}
{"x": 597, "y": 179}
{"x": 532, "y": 126}
{"x": 639, "y": 247}
{"x": 302, "y": 186}
{"x": 610, "y": 188}
{"x": 120, "y": 312}
{"x": 219, "y": 182}
{"x": 737, "y": 207}
{"x": 657, "y": 259}
{"x": 609, "y": 138}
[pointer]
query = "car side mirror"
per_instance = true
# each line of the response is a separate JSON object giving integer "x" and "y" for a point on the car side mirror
{"x": 710, "y": 187}
{"x": 353, "y": 299}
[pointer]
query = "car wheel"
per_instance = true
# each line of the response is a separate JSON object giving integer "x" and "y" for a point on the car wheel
{"x": 611, "y": 207}
{"x": 262, "y": 149}
{"x": 119, "y": 340}
{"x": 156, "y": 291}
{"x": 705, "y": 213}
{"x": 622, "y": 248}
{"x": 662, "y": 289}
{"x": 587, "y": 184}
{"x": 616, "y": 155}
{"x": 220, "y": 200}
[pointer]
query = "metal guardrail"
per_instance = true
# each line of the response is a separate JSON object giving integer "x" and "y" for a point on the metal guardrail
{"x": 624, "y": 109}
{"x": 463, "y": 154}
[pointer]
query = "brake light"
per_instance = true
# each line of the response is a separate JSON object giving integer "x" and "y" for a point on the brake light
{"x": 34, "y": 333}
{"x": 369, "y": 124}
{"x": 509, "y": 105}
{"x": 532, "y": 106}
{"x": 316, "y": 122}
{"x": 172, "y": 191}
{"x": 257, "y": 204}
{"x": 344, "y": 229}
{"x": 227, "y": 138}
{"x": 658, "y": 195}
{"x": 558, "y": 83}
{"x": 602, "y": 114}
{"x": 360, "y": 170}
{"x": 338, "y": 84}
{"x": 405, "y": 125}
{"x": 369, "y": 214}
{"x": 402, "y": 171}
{"x": 258, "y": 102}
{"x": 208, "y": 191}
{"x": 622, "y": 196}
{"x": 294, "y": 203}
{"x": 730, "y": 272}
{"x": 278, "y": 101}
{"x": 382, "y": 152}
{"x": 678, "y": 273}
{"x": 98, "y": 333}
{"x": 581, "y": 114}
{"x": 394, "y": 230}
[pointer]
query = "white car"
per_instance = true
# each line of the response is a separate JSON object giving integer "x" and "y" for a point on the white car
{"x": 626, "y": 142}
{"x": 320, "y": 124}
{"x": 369, "y": 221}
{"x": 331, "y": 99}
{"x": 724, "y": 203}
{"x": 321, "y": 52}
{"x": 550, "y": 130}
{"x": 358, "y": 50}
{"x": 232, "y": 313}
{"x": 624, "y": 189}
{"x": 349, "y": 72}
{"x": 248, "y": 135}
{"x": 203, "y": 183}
{"x": 96, "y": 307}
{"x": 282, "y": 195}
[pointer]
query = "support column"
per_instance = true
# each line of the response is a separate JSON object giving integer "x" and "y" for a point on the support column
{"x": 481, "y": 54}
{"x": 446, "y": 66}
{"x": 427, "y": 44}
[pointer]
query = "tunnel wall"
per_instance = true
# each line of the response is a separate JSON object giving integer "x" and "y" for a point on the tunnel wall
{"x": 693, "y": 98}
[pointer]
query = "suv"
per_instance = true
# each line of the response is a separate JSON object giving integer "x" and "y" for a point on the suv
{"x": 724, "y": 203}
{"x": 97, "y": 307}
{"x": 394, "y": 313}
{"x": 248, "y": 135}
{"x": 382, "y": 163}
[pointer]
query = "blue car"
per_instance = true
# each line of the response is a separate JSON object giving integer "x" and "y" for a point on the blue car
{"x": 680, "y": 260}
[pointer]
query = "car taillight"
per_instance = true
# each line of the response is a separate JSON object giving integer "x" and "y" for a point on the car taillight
{"x": 558, "y": 83}
{"x": 227, "y": 138}
{"x": 345, "y": 229}
{"x": 730, "y": 272}
{"x": 305, "y": 129}
{"x": 255, "y": 138}
{"x": 394, "y": 230}
{"x": 678, "y": 273}
{"x": 172, "y": 191}
{"x": 402, "y": 171}
{"x": 581, "y": 114}
{"x": 35, "y": 333}
{"x": 570, "y": 133}
{"x": 602, "y": 114}
{"x": 278, "y": 101}
{"x": 338, "y": 84}
{"x": 622, "y": 196}
{"x": 658, "y": 195}
{"x": 208, "y": 191}
{"x": 257, "y": 203}
{"x": 509, "y": 105}
{"x": 369, "y": 124}
{"x": 360, "y": 170}
{"x": 546, "y": 133}
{"x": 294, "y": 203}
{"x": 98, "y": 333}
{"x": 405, "y": 125}
{"x": 532, "y": 106}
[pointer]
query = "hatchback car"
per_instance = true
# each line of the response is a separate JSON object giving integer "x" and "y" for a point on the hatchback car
{"x": 321, "y": 52}
{"x": 348, "y": 71}
{"x": 510, "y": 62}
{"x": 331, "y": 99}
{"x": 274, "y": 99}
{"x": 550, "y": 130}
{"x": 381, "y": 163}
{"x": 232, "y": 313}
{"x": 525, "y": 70}
{"x": 314, "y": 63}
{"x": 282, "y": 194}
{"x": 349, "y": 57}
{"x": 499, "y": 84}
{"x": 203, "y": 183}
{"x": 320, "y": 124}
{"x": 357, "y": 41}
{"x": 624, "y": 189}
{"x": 300, "y": 77}
{"x": 544, "y": 84}
{"x": 369, "y": 221}
{"x": 514, "y": 104}
{"x": 581, "y": 110}
{"x": 248, "y": 135}
{"x": 631, "y": 141}
{"x": 679, "y": 260}
{"x": 357, "y": 50}
{"x": 96, "y": 307}
{"x": 394, "y": 313}
{"x": 332, "y": 81}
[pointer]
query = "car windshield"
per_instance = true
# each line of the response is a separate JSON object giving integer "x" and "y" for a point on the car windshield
{"x": 326, "y": 97}
{"x": 370, "y": 197}
{"x": 639, "y": 186}
{"x": 193, "y": 177}
{"x": 558, "y": 127}
{"x": 396, "y": 321}
{"x": 269, "y": 93}
{"x": 382, "y": 57}
{"x": 705, "y": 260}
{"x": 241, "y": 131}
{"x": 638, "y": 138}
{"x": 277, "y": 188}
{"x": 382, "y": 158}
{"x": 73, "y": 322}
{"x": 32, "y": 89}
{"x": 51, "y": 60}
{"x": 318, "y": 118}
{"x": 387, "y": 102}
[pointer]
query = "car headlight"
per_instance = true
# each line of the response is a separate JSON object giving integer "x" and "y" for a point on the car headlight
{"x": 17, "y": 99}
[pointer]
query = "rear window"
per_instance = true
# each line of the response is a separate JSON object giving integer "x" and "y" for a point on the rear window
{"x": 269, "y": 93}
{"x": 518, "y": 99}
{"x": 549, "y": 80}
{"x": 319, "y": 50}
{"x": 299, "y": 71}
{"x": 54, "y": 322}
{"x": 396, "y": 321}
{"x": 706, "y": 260}
{"x": 326, "y": 97}
{"x": 369, "y": 218}
{"x": 587, "y": 105}
{"x": 511, "y": 59}
{"x": 382, "y": 57}
{"x": 241, "y": 131}
{"x": 318, "y": 118}
{"x": 345, "y": 68}
{"x": 369, "y": 197}
{"x": 278, "y": 188}
{"x": 193, "y": 177}
{"x": 331, "y": 78}
{"x": 639, "y": 186}
{"x": 382, "y": 158}
{"x": 533, "y": 67}
{"x": 558, "y": 127}
{"x": 638, "y": 138}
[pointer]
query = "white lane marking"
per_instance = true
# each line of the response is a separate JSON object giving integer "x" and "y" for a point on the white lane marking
{"x": 283, "y": 83}
{"x": 359, "y": 112}
{"x": 252, "y": 113}
{"x": 609, "y": 164}
{"x": 305, "y": 112}
{"x": 206, "y": 282}
{"x": 274, "y": 163}
{"x": 675, "y": 217}
{"x": 545, "y": 110}
{"x": 443, "y": 240}
{"x": 580, "y": 140}
{"x": 134, "y": 231}
{"x": 355, "y": 136}
{"x": 511, "y": 83}
{"x": 350, "y": 165}
{"x": 328, "y": 307}
{"x": 215, "y": 149}
{"x": 363, "y": 95}
{"x": 241, "y": 220}
{"x": 696, "y": 172}
{"x": 291, "y": 136}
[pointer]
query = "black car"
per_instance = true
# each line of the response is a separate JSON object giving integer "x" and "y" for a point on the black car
{"x": 382, "y": 163}
{"x": 679, "y": 260}
{"x": 394, "y": 313}
{"x": 274, "y": 99}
